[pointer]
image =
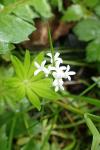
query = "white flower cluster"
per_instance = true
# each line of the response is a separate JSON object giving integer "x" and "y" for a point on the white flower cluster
{"x": 57, "y": 71}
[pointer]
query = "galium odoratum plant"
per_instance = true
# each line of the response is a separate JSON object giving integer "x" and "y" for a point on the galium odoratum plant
{"x": 30, "y": 77}
{"x": 55, "y": 70}
{"x": 27, "y": 85}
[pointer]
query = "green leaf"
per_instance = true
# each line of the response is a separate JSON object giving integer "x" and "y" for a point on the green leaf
{"x": 6, "y": 47}
{"x": 93, "y": 129}
{"x": 39, "y": 58}
{"x": 45, "y": 91}
{"x": 88, "y": 29}
{"x": 47, "y": 81}
{"x": 90, "y": 3}
{"x": 27, "y": 62}
{"x": 19, "y": 68}
{"x": 93, "y": 51}
{"x": 25, "y": 12}
{"x": 42, "y": 7}
{"x": 73, "y": 13}
{"x": 14, "y": 29}
{"x": 33, "y": 98}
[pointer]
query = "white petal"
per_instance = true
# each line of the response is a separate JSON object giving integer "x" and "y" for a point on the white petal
{"x": 36, "y": 64}
{"x": 69, "y": 78}
{"x": 68, "y": 68}
{"x": 72, "y": 73}
{"x": 49, "y": 54}
{"x": 63, "y": 68}
{"x": 56, "y": 56}
{"x": 60, "y": 60}
{"x": 57, "y": 64}
{"x": 43, "y": 63}
{"x": 36, "y": 72}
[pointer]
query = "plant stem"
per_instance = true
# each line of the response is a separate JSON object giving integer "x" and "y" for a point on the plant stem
{"x": 51, "y": 45}
{"x": 88, "y": 89}
{"x": 70, "y": 108}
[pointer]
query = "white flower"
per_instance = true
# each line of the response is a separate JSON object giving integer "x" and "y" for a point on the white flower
{"x": 57, "y": 67}
{"x": 58, "y": 84}
{"x": 68, "y": 73}
{"x": 56, "y": 57}
{"x": 41, "y": 68}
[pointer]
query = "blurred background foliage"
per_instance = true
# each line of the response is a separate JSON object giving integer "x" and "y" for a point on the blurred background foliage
{"x": 75, "y": 30}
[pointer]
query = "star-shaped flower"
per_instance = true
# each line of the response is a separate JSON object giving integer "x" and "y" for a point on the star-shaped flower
{"x": 68, "y": 73}
{"x": 41, "y": 68}
{"x": 56, "y": 57}
{"x": 57, "y": 68}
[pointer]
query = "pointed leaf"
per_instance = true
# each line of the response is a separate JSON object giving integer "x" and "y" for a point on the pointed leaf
{"x": 43, "y": 89}
{"x": 19, "y": 69}
{"x": 39, "y": 59}
{"x": 33, "y": 98}
{"x": 27, "y": 62}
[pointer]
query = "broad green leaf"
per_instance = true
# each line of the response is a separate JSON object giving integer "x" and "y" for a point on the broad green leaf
{"x": 88, "y": 29}
{"x": 25, "y": 12}
{"x": 6, "y": 47}
{"x": 14, "y": 29}
{"x": 73, "y": 13}
{"x": 19, "y": 68}
{"x": 27, "y": 62}
{"x": 90, "y": 3}
{"x": 93, "y": 51}
{"x": 42, "y": 7}
{"x": 33, "y": 98}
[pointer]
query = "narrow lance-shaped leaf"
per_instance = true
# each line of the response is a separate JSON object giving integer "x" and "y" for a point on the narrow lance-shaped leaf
{"x": 19, "y": 69}
{"x": 27, "y": 62}
{"x": 33, "y": 98}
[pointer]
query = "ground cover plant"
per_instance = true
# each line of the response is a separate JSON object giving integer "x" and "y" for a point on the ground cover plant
{"x": 49, "y": 74}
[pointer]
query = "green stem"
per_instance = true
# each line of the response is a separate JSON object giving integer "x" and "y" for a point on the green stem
{"x": 51, "y": 45}
{"x": 88, "y": 89}
{"x": 70, "y": 108}
{"x": 11, "y": 133}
